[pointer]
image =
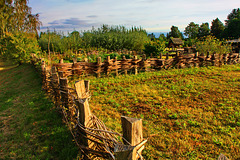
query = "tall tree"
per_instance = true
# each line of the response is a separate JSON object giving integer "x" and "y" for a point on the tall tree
{"x": 235, "y": 14}
{"x": 175, "y": 33}
{"x": 16, "y": 16}
{"x": 232, "y": 25}
{"x": 217, "y": 28}
{"x": 18, "y": 28}
{"x": 75, "y": 41}
{"x": 204, "y": 30}
{"x": 192, "y": 30}
{"x": 232, "y": 31}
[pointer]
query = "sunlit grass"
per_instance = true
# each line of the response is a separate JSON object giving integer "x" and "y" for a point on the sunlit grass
{"x": 187, "y": 114}
{"x": 5, "y": 65}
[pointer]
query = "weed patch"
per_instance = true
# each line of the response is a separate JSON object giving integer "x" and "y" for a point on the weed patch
{"x": 191, "y": 113}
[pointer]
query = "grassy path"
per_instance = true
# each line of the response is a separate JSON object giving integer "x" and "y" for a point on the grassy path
{"x": 30, "y": 126}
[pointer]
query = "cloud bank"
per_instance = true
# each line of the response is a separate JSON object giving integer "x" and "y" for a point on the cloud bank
{"x": 153, "y": 15}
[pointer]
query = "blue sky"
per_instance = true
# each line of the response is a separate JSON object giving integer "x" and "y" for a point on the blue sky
{"x": 152, "y": 15}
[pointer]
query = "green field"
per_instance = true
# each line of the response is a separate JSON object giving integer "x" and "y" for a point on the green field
{"x": 30, "y": 126}
{"x": 191, "y": 113}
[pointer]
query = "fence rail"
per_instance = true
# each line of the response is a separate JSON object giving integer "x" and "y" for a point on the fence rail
{"x": 91, "y": 135}
{"x": 135, "y": 65}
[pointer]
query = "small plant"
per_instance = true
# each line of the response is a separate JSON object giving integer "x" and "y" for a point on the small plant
{"x": 194, "y": 123}
{"x": 217, "y": 141}
{"x": 27, "y": 136}
{"x": 173, "y": 116}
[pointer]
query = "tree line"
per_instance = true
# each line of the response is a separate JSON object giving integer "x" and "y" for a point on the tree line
{"x": 19, "y": 35}
{"x": 112, "y": 38}
{"x": 231, "y": 29}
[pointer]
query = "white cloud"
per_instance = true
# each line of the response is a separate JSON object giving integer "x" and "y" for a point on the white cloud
{"x": 157, "y": 15}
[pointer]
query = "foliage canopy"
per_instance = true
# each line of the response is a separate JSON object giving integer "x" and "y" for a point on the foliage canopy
{"x": 18, "y": 30}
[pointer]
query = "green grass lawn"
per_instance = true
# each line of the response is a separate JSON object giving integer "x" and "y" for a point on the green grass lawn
{"x": 187, "y": 114}
{"x": 30, "y": 126}
{"x": 191, "y": 113}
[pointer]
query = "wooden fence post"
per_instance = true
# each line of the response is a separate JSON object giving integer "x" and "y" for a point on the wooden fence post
{"x": 132, "y": 132}
{"x": 222, "y": 157}
{"x": 43, "y": 65}
{"x": 196, "y": 55}
{"x": 229, "y": 58}
{"x": 135, "y": 65}
{"x": 64, "y": 91}
{"x": 84, "y": 113}
{"x": 55, "y": 83}
{"x": 144, "y": 62}
{"x": 74, "y": 60}
{"x": 144, "y": 57}
{"x": 160, "y": 55}
{"x": 177, "y": 54}
{"x": 99, "y": 62}
{"x": 44, "y": 74}
{"x": 125, "y": 70}
{"x": 213, "y": 58}
{"x": 116, "y": 66}
{"x": 60, "y": 74}
{"x": 167, "y": 56}
{"x": 108, "y": 63}
{"x": 207, "y": 55}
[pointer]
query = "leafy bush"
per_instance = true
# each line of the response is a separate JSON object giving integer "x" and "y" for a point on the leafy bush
{"x": 154, "y": 47}
{"x": 112, "y": 38}
{"x": 213, "y": 45}
{"x": 18, "y": 46}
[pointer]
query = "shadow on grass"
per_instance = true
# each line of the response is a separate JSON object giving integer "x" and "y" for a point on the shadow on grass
{"x": 31, "y": 128}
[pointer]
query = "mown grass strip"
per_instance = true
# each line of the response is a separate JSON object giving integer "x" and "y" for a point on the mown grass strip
{"x": 31, "y": 128}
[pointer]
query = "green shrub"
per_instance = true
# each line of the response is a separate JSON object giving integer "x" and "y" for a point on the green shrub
{"x": 19, "y": 46}
{"x": 213, "y": 45}
{"x": 154, "y": 48}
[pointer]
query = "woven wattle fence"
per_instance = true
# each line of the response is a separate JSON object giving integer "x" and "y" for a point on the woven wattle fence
{"x": 135, "y": 65}
{"x": 91, "y": 135}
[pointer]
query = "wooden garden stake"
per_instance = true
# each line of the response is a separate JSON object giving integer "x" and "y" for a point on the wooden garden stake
{"x": 135, "y": 65}
{"x": 160, "y": 55}
{"x": 64, "y": 91}
{"x": 99, "y": 61}
{"x": 55, "y": 83}
{"x": 144, "y": 57}
{"x": 207, "y": 55}
{"x": 74, "y": 60}
{"x": 167, "y": 56}
{"x": 116, "y": 66}
{"x": 213, "y": 58}
{"x": 125, "y": 70}
{"x": 196, "y": 55}
{"x": 108, "y": 64}
{"x": 83, "y": 107}
{"x": 132, "y": 132}
{"x": 60, "y": 74}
